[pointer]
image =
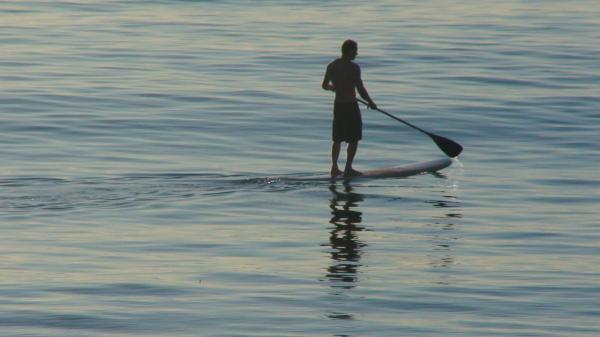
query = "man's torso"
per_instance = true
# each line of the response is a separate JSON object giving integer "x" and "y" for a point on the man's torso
{"x": 345, "y": 76}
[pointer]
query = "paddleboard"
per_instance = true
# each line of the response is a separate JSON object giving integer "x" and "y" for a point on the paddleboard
{"x": 406, "y": 170}
{"x": 389, "y": 172}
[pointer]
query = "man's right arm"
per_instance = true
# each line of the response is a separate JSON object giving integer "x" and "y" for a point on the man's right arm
{"x": 326, "y": 85}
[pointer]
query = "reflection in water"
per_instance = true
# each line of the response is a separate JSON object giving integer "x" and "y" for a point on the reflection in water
{"x": 345, "y": 245}
{"x": 346, "y": 248}
{"x": 444, "y": 237}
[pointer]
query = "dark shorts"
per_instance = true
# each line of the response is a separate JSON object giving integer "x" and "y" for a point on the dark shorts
{"x": 347, "y": 123}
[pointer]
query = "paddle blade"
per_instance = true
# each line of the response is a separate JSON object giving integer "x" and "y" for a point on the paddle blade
{"x": 448, "y": 146}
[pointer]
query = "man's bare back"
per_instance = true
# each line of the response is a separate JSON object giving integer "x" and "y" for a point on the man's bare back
{"x": 345, "y": 77}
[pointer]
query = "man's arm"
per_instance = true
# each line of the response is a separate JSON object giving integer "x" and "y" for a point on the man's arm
{"x": 326, "y": 85}
{"x": 362, "y": 91}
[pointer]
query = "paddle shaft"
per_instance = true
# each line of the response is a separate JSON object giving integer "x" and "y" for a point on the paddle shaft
{"x": 448, "y": 146}
{"x": 396, "y": 118}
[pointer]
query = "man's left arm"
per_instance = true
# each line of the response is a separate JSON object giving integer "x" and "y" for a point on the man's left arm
{"x": 363, "y": 92}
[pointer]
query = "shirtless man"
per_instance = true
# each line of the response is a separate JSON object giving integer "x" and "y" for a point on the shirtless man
{"x": 343, "y": 77}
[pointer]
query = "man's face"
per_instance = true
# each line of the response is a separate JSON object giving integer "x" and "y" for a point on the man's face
{"x": 352, "y": 54}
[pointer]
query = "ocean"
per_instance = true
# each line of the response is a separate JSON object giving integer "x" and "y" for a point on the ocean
{"x": 147, "y": 147}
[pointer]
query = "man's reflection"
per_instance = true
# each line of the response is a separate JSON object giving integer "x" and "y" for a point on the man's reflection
{"x": 346, "y": 247}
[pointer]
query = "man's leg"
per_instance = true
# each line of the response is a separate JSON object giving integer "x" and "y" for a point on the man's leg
{"x": 335, "y": 154}
{"x": 349, "y": 171}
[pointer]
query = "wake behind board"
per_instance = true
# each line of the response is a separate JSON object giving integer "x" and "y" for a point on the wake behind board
{"x": 391, "y": 172}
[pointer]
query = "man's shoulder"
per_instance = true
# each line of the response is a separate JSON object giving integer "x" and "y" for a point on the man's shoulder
{"x": 340, "y": 62}
{"x": 334, "y": 62}
{"x": 353, "y": 67}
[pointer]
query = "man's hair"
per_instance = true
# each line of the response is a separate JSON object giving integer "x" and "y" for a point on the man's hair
{"x": 349, "y": 46}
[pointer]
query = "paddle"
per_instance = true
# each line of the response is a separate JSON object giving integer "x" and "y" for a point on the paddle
{"x": 448, "y": 146}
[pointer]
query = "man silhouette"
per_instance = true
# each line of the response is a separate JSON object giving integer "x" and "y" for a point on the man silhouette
{"x": 343, "y": 77}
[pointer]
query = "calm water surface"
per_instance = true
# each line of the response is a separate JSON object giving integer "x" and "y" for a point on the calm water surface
{"x": 146, "y": 147}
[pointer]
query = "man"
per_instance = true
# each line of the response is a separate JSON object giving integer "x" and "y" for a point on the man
{"x": 343, "y": 77}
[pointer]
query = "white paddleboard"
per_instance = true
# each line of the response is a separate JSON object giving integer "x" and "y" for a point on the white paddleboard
{"x": 391, "y": 172}
{"x": 406, "y": 170}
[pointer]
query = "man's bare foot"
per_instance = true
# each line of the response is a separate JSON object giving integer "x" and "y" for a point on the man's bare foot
{"x": 335, "y": 172}
{"x": 351, "y": 173}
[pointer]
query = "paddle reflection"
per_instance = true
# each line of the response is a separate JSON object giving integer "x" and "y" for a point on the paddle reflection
{"x": 444, "y": 234}
{"x": 346, "y": 246}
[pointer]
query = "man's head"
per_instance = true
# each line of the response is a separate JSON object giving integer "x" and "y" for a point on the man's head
{"x": 349, "y": 49}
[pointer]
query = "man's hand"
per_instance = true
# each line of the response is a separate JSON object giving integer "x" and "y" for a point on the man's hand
{"x": 372, "y": 105}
